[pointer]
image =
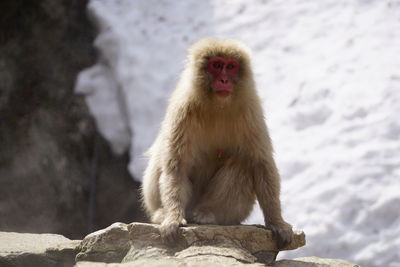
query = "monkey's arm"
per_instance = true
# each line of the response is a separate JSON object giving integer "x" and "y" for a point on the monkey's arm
{"x": 267, "y": 188}
{"x": 175, "y": 192}
{"x": 267, "y": 182}
{"x": 175, "y": 188}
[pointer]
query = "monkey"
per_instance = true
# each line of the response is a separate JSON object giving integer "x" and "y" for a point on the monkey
{"x": 213, "y": 156}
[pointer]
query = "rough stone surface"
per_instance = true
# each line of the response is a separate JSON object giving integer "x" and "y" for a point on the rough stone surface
{"x": 139, "y": 244}
{"x": 213, "y": 261}
{"x": 210, "y": 244}
{"x": 314, "y": 262}
{"x": 17, "y": 249}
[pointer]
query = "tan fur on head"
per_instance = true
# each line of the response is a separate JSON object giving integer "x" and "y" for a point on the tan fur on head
{"x": 211, "y": 47}
{"x": 213, "y": 156}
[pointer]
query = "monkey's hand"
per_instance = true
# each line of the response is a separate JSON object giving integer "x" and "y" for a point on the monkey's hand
{"x": 169, "y": 228}
{"x": 282, "y": 232}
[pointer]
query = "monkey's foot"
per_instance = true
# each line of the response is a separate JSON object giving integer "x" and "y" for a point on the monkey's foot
{"x": 202, "y": 216}
{"x": 283, "y": 233}
{"x": 169, "y": 229}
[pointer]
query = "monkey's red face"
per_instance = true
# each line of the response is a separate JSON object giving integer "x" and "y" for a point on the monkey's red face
{"x": 223, "y": 72}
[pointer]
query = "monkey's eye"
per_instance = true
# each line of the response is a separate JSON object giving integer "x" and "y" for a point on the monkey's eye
{"x": 217, "y": 65}
{"x": 230, "y": 66}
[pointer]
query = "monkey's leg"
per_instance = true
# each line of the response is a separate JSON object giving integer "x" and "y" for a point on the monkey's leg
{"x": 229, "y": 198}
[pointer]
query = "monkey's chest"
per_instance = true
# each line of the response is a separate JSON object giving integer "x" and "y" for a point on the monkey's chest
{"x": 208, "y": 161}
{"x": 215, "y": 155}
{"x": 216, "y": 143}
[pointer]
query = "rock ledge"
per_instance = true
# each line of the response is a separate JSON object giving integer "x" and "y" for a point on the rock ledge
{"x": 140, "y": 244}
{"x": 139, "y": 241}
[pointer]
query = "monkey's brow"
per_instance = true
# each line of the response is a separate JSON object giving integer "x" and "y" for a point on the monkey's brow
{"x": 207, "y": 58}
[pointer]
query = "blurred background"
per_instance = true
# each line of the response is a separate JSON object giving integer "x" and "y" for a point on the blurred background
{"x": 84, "y": 86}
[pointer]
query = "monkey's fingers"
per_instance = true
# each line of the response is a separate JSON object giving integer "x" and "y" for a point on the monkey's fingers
{"x": 283, "y": 235}
{"x": 169, "y": 231}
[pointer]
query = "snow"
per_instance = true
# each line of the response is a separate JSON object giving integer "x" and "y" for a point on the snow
{"x": 328, "y": 74}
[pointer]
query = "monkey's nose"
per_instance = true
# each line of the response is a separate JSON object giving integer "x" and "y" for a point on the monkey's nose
{"x": 224, "y": 81}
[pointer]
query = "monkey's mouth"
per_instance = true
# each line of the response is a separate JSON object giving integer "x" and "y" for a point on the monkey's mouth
{"x": 223, "y": 93}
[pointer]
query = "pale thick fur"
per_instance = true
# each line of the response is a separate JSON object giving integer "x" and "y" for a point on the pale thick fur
{"x": 213, "y": 156}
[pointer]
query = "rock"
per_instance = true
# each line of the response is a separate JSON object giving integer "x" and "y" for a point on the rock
{"x": 17, "y": 249}
{"x": 140, "y": 243}
{"x": 314, "y": 262}
{"x": 50, "y": 149}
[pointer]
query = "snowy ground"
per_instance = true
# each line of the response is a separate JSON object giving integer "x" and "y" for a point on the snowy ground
{"x": 329, "y": 75}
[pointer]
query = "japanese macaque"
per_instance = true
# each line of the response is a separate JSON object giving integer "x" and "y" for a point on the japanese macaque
{"x": 213, "y": 156}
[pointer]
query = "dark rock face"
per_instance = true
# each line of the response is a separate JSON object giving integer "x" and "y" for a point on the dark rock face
{"x": 51, "y": 155}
